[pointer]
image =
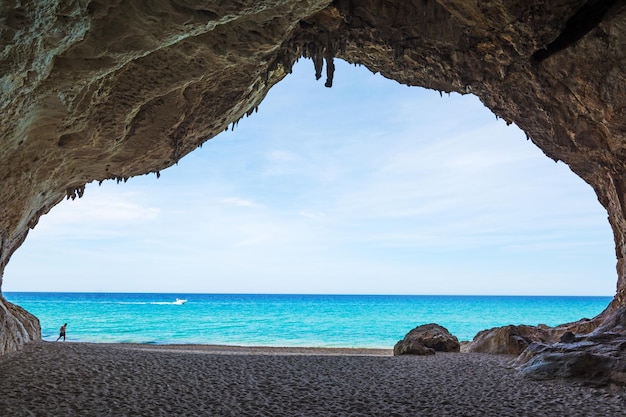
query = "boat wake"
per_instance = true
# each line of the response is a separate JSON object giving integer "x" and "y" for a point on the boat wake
{"x": 178, "y": 301}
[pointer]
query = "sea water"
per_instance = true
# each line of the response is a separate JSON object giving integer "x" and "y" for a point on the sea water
{"x": 374, "y": 321}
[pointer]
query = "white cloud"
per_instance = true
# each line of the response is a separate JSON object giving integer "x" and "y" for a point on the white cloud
{"x": 102, "y": 214}
{"x": 315, "y": 215}
{"x": 282, "y": 156}
{"x": 239, "y": 202}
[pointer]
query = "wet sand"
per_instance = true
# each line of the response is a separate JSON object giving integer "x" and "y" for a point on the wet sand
{"x": 81, "y": 379}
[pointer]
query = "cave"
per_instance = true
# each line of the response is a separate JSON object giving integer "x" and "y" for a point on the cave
{"x": 108, "y": 90}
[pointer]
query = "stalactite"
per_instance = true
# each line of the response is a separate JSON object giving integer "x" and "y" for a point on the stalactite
{"x": 330, "y": 67}
{"x": 318, "y": 62}
{"x": 320, "y": 51}
{"x": 74, "y": 192}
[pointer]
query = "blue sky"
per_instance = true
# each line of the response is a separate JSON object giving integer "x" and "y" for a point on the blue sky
{"x": 369, "y": 187}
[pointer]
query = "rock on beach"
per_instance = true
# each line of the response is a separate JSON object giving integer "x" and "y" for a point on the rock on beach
{"x": 426, "y": 340}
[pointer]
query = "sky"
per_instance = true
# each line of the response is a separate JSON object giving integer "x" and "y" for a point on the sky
{"x": 369, "y": 187}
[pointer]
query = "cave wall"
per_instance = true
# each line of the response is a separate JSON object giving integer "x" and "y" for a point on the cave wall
{"x": 110, "y": 89}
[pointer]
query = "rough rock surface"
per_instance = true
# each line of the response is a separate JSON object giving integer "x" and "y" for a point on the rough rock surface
{"x": 596, "y": 358}
{"x": 426, "y": 340}
{"x": 108, "y": 89}
{"x": 17, "y": 326}
{"x": 513, "y": 340}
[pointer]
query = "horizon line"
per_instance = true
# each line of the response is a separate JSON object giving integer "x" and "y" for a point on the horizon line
{"x": 307, "y": 294}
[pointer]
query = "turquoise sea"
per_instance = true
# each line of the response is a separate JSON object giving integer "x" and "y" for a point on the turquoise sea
{"x": 376, "y": 321}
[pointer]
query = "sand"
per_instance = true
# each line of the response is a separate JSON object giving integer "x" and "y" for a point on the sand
{"x": 80, "y": 379}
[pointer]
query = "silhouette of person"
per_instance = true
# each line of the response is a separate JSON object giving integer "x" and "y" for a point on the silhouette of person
{"x": 62, "y": 332}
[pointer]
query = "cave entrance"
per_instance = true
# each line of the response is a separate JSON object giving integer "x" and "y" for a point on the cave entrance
{"x": 367, "y": 187}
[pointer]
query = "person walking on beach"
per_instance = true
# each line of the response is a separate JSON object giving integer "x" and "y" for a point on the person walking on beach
{"x": 62, "y": 332}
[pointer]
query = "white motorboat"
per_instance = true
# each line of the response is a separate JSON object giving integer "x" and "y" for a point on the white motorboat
{"x": 180, "y": 301}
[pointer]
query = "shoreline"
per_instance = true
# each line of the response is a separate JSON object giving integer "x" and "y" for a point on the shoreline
{"x": 78, "y": 378}
{"x": 248, "y": 350}
{"x": 219, "y": 347}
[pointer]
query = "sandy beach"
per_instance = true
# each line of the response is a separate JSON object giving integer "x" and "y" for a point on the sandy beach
{"x": 80, "y": 379}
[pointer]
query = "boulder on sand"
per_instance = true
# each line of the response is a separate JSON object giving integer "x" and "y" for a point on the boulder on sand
{"x": 426, "y": 340}
{"x": 511, "y": 340}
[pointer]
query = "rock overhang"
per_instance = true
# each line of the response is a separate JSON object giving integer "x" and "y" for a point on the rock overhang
{"x": 109, "y": 90}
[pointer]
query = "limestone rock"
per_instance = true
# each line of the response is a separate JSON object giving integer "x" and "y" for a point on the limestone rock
{"x": 426, "y": 340}
{"x": 593, "y": 369}
{"x": 568, "y": 337}
{"x": 514, "y": 340}
{"x": 510, "y": 339}
{"x": 17, "y": 326}
{"x": 411, "y": 347}
{"x": 596, "y": 358}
